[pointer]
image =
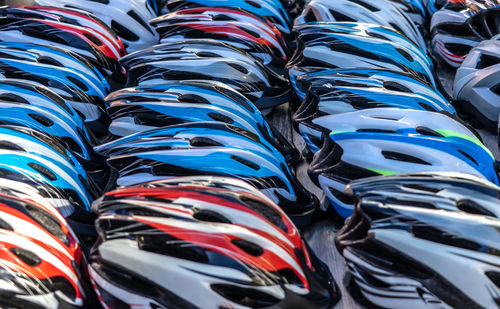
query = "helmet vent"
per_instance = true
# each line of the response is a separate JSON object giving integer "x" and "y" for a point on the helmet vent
{"x": 49, "y": 61}
{"x": 239, "y": 68}
{"x": 42, "y": 120}
{"x": 397, "y": 156}
{"x": 10, "y": 97}
{"x": 427, "y": 131}
{"x": 496, "y": 89}
{"x": 49, "y": 223}
{"x": 209, "y": 216}
{"x": 10, "y": 146}
{"x": 366, "y": 5}
{"x": 468, "y": 156}
{"x": 220, "y": 117}
{"x": 248, "y": 247}
{"x": 336, "y": 15}
{"x": 471, "y": 207}
{"x": 396, "y": 87}
{"x": 246, "y": 297}
{"x": 405, "y": 54}
{"x": 246, "y": 162}
{"x": 204, "y": 142}
{"x": 494, "y": 277}
{"x": 487, "y": 61}
{"x": 192, "y": 98}
{"x": 26, "y": 256}
{"x": 264, "y": 210}
{"x": 42, "y": 170}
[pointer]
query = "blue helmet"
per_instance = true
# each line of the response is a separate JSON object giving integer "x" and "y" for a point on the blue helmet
{"x": 361, "y": 29}
{"x": 267, "y": 173}
{"x": 390, "y": 79}
{"x": 351, "y": 155}
{"x": 30, "y": 105}
{"x": 84, "y": 93}
{"x": 50, "y": 171}
{"x": 348, "y": 93}
{"x": 191, "y": 135}
{"x": 345, "y": 50}
{"x": 148, "y": 107}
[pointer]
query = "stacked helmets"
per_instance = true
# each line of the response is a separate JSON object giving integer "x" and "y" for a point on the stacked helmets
{"x": 194, "y": 103}
{"x": 202, "y": 242}
{"x": 464, "y": 35}
{"x": 460, "y": 25}
{"x": 56, "y": 67}
{"x": 368, "y": 100}
{"x": 424, "y": 241}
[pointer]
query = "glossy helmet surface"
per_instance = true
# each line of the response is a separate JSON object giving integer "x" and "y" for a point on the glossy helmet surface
{"x": 234, "y": 247}
{"x": 80, "y": 40}
{"x": 269, "y": 174}
{"x": 147, "y": 107}
{"x": 440, "y": 238}
{"x": 389, "y": 146}
{"x": 271, "y": 10}
{"x": 209, "y": 60}
{"x": 330, "y": 50}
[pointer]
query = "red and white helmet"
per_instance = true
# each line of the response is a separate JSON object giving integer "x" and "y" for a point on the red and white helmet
{"x": 34, "y": 275}
{"x": 203, "y": 246}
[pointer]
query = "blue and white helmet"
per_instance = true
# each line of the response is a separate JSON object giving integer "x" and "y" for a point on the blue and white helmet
{"x": 371, "y": 145}
{"x": 208, "y": 60}
{"x": 147, "y": 107}
{"x": 267, "y": 173}
{"x": 345, "y": 50}
{"x": 375, "y": 12}
{"x": 383, "y": 78}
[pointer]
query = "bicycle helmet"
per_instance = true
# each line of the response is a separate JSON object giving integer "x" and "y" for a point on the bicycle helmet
{"x": 80, "y": 40}
{"x": 314, "y": 131}
{"x": 344, "y": 50}
{"x": 391, "y": 79}
{"x": 477, "y": 87}
{"x": 258, "y": 42}
{"x": 208, "y": 60}
{"x": 68, "y": 16}
{"x": 379, "y": 13}
{"x": 52, "y": 172}
{"x": 33, "y": 185}
{"x": 352, "y": 155}
{"x": 361, "y": 29}
{"x": 188, "y": 135}
{"x": 459, "y": 26}
{"x": 271, "y": 10}
{"x": 415, "y": 10}
{"x": 84, "y": 95}
{"x": 437, "y": 251}
{"x": 235, "y": 248}
{"x": 269, "y": 174}
{"x": 41, "y": 222}
{"x": 128, "y": 18}
{"x": 359, "y": 94}
{"x": 143, "y": 108}
{"x": 34, "y": 275}
{"x": 217, "y": 14}
{"x": 59, "y": 57}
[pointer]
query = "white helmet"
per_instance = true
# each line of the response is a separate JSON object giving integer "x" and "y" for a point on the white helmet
{"x": 477, "y": 82}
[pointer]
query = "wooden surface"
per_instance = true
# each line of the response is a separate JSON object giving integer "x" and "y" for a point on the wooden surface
{"x": 321, "y": 235}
